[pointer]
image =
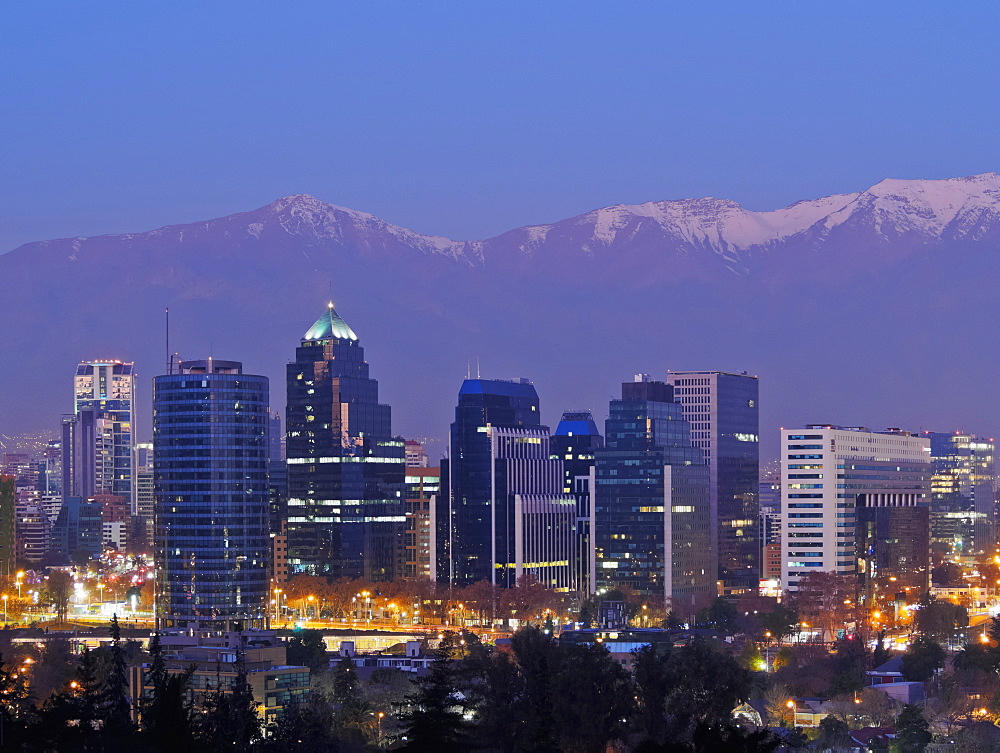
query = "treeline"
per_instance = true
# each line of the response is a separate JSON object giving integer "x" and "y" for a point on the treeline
{"x": 534, "y": 693}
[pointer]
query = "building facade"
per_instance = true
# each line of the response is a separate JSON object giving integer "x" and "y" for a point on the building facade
{"x": 423, "y": 485}
{"x": 210, "y": 481}
{"x": 651, "y": 500}
{"x": 723, "y": 410}
{"x": 574, "y": 443}
{"x": 346, "y": 513}
{"x": 842, "y": 491}
{"x": 108, "y": 389}
{"x": 962, "y": 513}
{"x": 505, "y": 514}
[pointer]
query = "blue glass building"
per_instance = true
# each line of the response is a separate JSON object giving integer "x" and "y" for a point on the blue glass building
{"x": 724, "y": 412}
{"x": 651, "y": 501}
{"x": 574, "y": 443}
{"x": 346, "y": 472}
{"x": 210, "y": 482}
{"x": 505, "y": 513}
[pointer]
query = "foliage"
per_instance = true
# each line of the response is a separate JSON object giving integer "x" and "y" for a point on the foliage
{"x": 833, "y": 733}
{"x": 938, "y": 620}
{"x": 720, "y": 614}
{"x": 59, "y": 589}
{"x": 434, "y": 723}
{"x": 922, "y": 659}
{"x": 307, "y": 649}
{"x": 781, "y": 621}
{"x": 912, "y": 730}
{"x": 825, "y": 600}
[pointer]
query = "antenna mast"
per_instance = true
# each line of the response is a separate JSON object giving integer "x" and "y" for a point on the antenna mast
{"x": 170, "y": 360}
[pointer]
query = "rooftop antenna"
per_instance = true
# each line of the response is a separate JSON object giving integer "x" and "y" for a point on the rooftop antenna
{"x": 170, "y": 358}
{"x": 468, "y": 368}
{"x": 478, "y": 374}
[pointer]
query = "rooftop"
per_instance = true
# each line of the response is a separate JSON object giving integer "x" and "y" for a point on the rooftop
{"x": 330, "y": 326}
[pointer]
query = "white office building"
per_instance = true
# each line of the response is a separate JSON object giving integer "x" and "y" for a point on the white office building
{"x": 830, "y": 472}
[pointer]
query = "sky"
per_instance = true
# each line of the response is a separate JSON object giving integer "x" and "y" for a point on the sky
{"x": 466, "y": 119}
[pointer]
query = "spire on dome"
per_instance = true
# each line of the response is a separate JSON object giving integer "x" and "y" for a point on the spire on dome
{"x": 330, "y": 327}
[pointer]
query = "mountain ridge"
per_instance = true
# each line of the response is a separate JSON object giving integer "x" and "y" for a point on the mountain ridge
{"x": 921, "y": 211}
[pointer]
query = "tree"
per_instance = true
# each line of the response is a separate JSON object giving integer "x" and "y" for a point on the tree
{"x": 115, "y": 702}
{"x": 230, "y": 720}
{"x": 850, "y": 660}
{"x": 776, "y": 703}
{"x": 825, "y": 600}
{"x": 781, "y": 621}
{"x": 535, "y": 653}
{"x": 434, "y": 722}
{"x": 350, "y": 712}
{"x": 649, "y": 668}
{"x": 705, "y": 686}
{"x": 60, "y": 589}
{"x": 877, "y": 707}
{"x": 307, "y": 649}
{"x": 17, "y": 713}
{"x": 938, "y": 620}
{"x": 922, "y": 659}
{"x": 496, "y": 694}
{"x": 721, "y": 614}
{"x": 912, "y": 730}
{"x": 592, "y": 701}
{"x": 751, "y": 658}
{"x": 833, "y": 733}
{"x": 302, "y": 728}
{"x": 166, "y": 712}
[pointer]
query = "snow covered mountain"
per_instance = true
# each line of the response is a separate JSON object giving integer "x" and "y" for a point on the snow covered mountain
{"x": 857, "y": 293}
{"x": 897, "y": 215}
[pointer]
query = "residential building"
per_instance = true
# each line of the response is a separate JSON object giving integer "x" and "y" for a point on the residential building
{"x": 846, "y": 492}
{"x": 8, "y": 525}
{"x": 962, "y": 508}
{"x": 651, "y": 500}
{"x": 574, "y": 443}
{"x": 505, "y": 514}
{"x": 274, "y": 683}
{"x": 108, "y": 389}
{"x": 723, "y": 410}
{"x": 210, "y": 480}
{"x": 416, "y": 455}
{"x": 143, "y": 522}
{"x": 346, "y": 509}
{"x": 423, "y": 484}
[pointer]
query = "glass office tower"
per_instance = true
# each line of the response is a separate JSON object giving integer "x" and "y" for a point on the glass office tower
{"x": 651, "y": 503}
{"x": 346, "y": 472}
{"x": 108, "y": 388}
{"x": 574, "y": 443}
{"x": 723, "y": 410}
{"x": 962, "y": 506}
{"x": 210, "y": 482}
{"x": 505, "y": 514}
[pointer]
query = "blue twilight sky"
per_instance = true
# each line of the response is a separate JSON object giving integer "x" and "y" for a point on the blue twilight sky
{"x": 468, "y": 118}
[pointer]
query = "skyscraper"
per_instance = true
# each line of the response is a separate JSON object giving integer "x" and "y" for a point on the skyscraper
{"x": 962, "y": 509}
{"x": 210, "y": 481}
{"x": 651, "y": 503}
{"x": 505, "y": 514}
{"x": 108, "y": 389}
{"x": 574, "y": 443}
{"x": 722, "y": 409}
{"x": 346, "y": 509}
{"x": 852, "y": 501}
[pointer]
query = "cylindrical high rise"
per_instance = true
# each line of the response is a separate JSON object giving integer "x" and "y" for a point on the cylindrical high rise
{"x": 210, "y": 482}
